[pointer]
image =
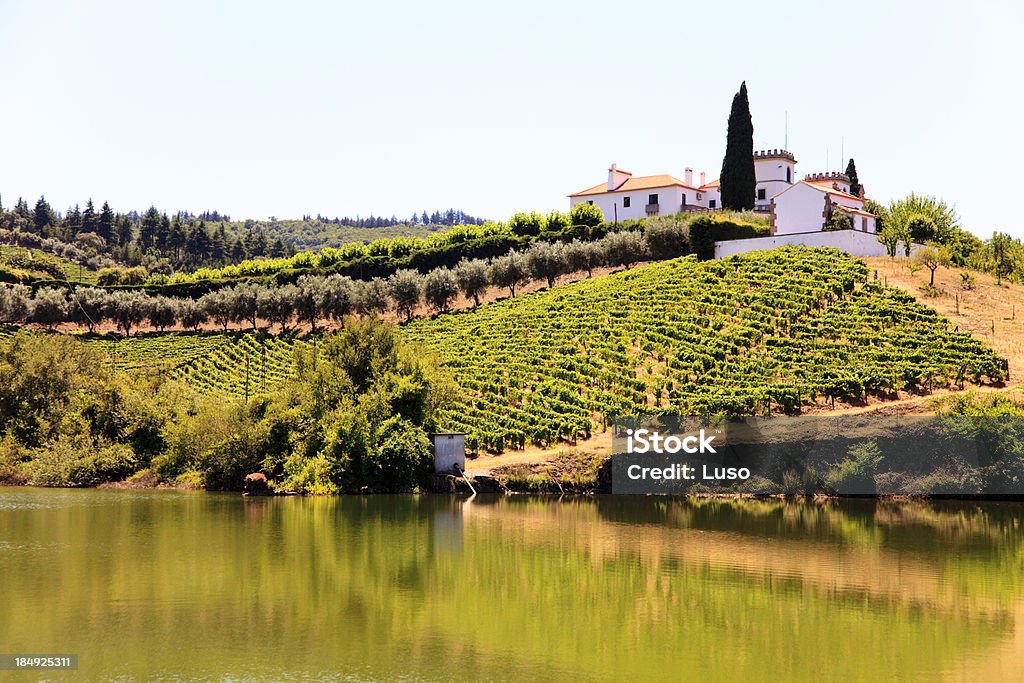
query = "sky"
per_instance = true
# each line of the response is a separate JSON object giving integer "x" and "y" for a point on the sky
{"x": 341, "y": 108}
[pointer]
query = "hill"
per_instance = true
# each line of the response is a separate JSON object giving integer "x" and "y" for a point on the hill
{"x": 765, "y": 332}
{"x": 768, "y": 331}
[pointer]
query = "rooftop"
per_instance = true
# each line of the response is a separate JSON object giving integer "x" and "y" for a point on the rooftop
{"x": 649, "y": 182}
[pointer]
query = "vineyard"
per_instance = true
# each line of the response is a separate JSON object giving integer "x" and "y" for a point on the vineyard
{"x": 21, "y": 264}
{"x": 762, "y": 333}
{"x": 765, "y": 332}
{"x": 211, "y": 363}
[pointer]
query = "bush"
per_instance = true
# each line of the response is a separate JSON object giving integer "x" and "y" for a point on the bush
{"x": 667, "y": 236}
{"x": 706, "y": 230}
{"x": 586, "y": 215}
{"x": 856, "y": 473}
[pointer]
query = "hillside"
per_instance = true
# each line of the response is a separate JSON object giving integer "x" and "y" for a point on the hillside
{"x": 22, "y": 264}
{"x": 766, "y": 332}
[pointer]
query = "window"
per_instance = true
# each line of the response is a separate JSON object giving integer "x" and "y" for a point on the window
{"x": 684, "y": 200}
{"x": 864, "y": 224}
{"x": 625, "y": 202}
{"x": 789, "y": 175}
{"x": 591, "y": 202}
{"x": 712, "y": 204}
{"x": 652, "y": 199}
{"x": 761, "y": 194}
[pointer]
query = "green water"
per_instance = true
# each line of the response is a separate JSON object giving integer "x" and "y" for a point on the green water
{"x": 197, "y": 586}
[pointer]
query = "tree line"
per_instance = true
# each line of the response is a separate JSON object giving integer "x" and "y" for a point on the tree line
{"x": 314, "y": 298}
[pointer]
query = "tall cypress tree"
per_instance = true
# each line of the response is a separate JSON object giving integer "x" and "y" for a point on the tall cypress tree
{"x": 738, "y": 180}
{"x": 851, "y": 172}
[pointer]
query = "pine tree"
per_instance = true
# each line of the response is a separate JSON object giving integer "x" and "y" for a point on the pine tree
{"x": 738, "y": 180}
{"x": 177, "y": 237}
{"x": 149, "y": 227}
{"x": 198, "y": 246}
{"x": 105, "y": 224}
{"x": 89, "y": 217}
{"x": 124, "y": 232}
{"x": 43, "y": 216}
{"x": 73, "y": 221}
{"x": 851, "y": 172}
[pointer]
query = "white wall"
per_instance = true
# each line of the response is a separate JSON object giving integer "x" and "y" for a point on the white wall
{"x": 851, "y": 241}
{"x": 670, "y": 201}
{"x": 799, "y": 209}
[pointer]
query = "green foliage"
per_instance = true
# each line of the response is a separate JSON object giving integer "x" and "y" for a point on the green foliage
{"x": 923, "y": 218}
{"x": 586, "y": 215}
{"x": 737, "y": 178}
{"x": 838, "y": 220}
{"x": 851, "y": 173}
{"x": 767, "y": 331}
{"x": 667, "y": 236}
{"x": 69, "y": 419}
{"x": 856, "y": 473}
{"x": 931, "y": 257}
{"x": 706, "y": 230}
{"x": 529, "y": 224}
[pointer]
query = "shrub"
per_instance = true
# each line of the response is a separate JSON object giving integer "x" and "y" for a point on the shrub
{"x": 856, "y": 473}
{"x": 667, "y": 236}
{"x": 586, "y": 215}
{"x": 706, "y": 230}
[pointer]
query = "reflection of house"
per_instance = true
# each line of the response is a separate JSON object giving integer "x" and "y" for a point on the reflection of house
{"x": 795, "y": 206}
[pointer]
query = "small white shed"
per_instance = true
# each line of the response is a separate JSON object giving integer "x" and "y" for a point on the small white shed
{"x": 449, "y": 451}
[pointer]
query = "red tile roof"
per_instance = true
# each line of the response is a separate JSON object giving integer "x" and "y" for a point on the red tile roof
{"x": 649, "y": 182}
{"x": 827, "y": 186}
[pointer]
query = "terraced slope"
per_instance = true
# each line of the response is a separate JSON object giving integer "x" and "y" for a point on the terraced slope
{"x": 212, "y": 363}
{"x": 763, "y": 332}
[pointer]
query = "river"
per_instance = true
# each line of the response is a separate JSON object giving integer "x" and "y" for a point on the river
{"x": 176, "y": 585}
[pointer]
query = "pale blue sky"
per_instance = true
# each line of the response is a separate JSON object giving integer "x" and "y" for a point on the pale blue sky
{"x": 286, "y": 108}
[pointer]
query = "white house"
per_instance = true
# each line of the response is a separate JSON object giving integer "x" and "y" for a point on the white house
{"x": 623, "y": 196}
{"x": 795, "y": 206}
{"x": 806, "y": 206}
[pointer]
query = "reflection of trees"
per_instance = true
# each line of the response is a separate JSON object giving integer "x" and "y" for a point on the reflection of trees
{"x": 532, "y": 588}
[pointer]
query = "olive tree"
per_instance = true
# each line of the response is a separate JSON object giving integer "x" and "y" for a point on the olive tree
{"x": 510, "y": 271}
{"x": 337, "y": 297}
{"x": 370, "y": 297}
{"x": 277, "y": 304}
{"x": 440, "y": 288}
{"x": 15, "y": 303}
{"x": 219, "y": 307}
{"x": 667, "y": 236}
{"x": 163, "y": 312}
{"x": 406, "y": 288}
{"x": 547, "y": 261}
{"x": 623, "y": 248}
{"x": 244, "y": 300}
{"x": 472, "y": 277}
{"x": 89, "y": 306}
{"x": 50, "y": 306}
{"x": 192, "y": 314}
{"x": 310, "y": 300}
{"x": 128, "y": 309}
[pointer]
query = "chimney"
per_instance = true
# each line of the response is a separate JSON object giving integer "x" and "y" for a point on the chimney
{"x": 616, "y": 177}
{"x": 703, "y": 178}
{"x": 688, "y": 177}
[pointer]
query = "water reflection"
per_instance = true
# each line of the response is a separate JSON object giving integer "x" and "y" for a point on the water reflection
{"x": 207, "y": 586}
